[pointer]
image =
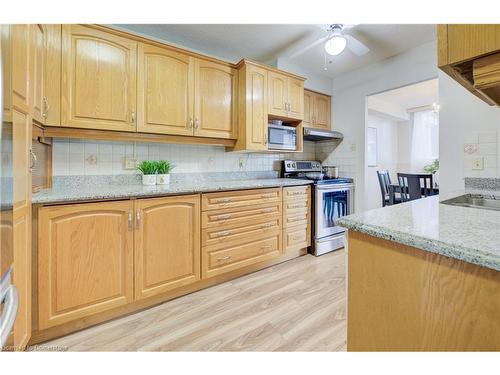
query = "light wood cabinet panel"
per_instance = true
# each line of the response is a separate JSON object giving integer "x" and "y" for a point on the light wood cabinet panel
{"x": 240, "y": 198}
{"x": 278, "y": 94}
{"x": 308, "y": 108}
{"x": 471, "y": 41}
{"x": 6, "y": 51}
{"x": 322, "y": 112}
{"x": 98, "y": 79}
{"x": 52, "y": 75}
{"x": 240, "y": 215}
{"x": 296, "y": 218}
{"x": 295, "y": 98}
{"x": 20, "y": 52}
{"x": 38, "y": 38}
{"x": 296, "y": 237}
{"x": 223, "y": 258}
{"x": 167, "y": 244}
{"x": 216, "y": 112}
{"x": 85, "y": 260}
{"x": 165, "y": 91}
{"x": 21, "y": 224}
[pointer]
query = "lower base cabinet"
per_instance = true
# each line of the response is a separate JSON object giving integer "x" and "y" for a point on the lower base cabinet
{"x": 85, "y": 260}
{"x": 167, "y": 244}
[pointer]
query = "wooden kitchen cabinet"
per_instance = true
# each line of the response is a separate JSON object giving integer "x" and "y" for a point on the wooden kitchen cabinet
{"x": 85, "y": 260}
{"x": 20, "y": 68}
{"x": 167, "y": 244}
{"x": 317, "y": 110}
{"x": 285, "y": 96}
{"x": 165, "y": 85}
{"x": 253, "y": 107}
{"x": 470, "y": 54}
{"x": 296, "y": 218}
{"x": 216, "y": 100}
{"x": 98, "y": 79}
{"x": 52, "y": 75}
{"x": 38, "y": 38}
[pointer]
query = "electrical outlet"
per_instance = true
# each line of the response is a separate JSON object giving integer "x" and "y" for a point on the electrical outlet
{"x": 241, "y": 163}
{"x": 130, "y": 163}
{"x": 478, "y": 164}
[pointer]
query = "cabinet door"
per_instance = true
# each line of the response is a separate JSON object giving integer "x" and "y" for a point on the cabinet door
{"x": 165, "y": 91}
{"x": 308, "y": 108}
{"x": 469, "y": 41}
{"x": 277, "y": 98}
{"x": 295, "y": 98}
{"x": 21, "y": 224}
{"x": 99, "y": 79}
{"x": 215, "y": 100}
{"x": 38, "y": 38}
{"x": 322, "y": 112}
{"x": 256, "y": 108}
{"x": 6, "y": 56}
{"x": 85, "y": 260}
{"x": 52, "y": 75}
{"x": 20, "y": 87}
{"x": 167, "y": 244}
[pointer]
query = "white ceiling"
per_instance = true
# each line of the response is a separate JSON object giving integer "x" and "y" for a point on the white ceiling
{"x": 265, "y": 42}
{"x": 412, "y": 96}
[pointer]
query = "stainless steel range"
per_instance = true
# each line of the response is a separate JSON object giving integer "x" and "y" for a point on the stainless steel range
{"x": 332, "y": 198}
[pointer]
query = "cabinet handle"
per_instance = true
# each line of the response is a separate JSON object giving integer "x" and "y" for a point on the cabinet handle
{"x": 196, "y": 123}
{"x": 265, "y": 139}
{"x": 190, "y": 123}
{"x": 267, "y": 210}
{"x": 223, "y": 217}
{"x": 265, "y": 247}
{"x": 270, "y": 195}
{"x": 297, "y": 206}
{"x": 223, "y": 234}
{"x": 296, "y": 218}
{"x": 129, "y": 220}
{"x": 266, "y": 226}
{"x": 33, "y": 159}
{"x": 223, "y": 259}
{"x": 137, "y": 219}
{"x": 45, "y": 107}
{"x": 132, "y": 117}
{"x": 223, "y": 201}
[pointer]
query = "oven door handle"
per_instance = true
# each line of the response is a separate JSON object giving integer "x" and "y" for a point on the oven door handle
{"x": 335, "y": 187}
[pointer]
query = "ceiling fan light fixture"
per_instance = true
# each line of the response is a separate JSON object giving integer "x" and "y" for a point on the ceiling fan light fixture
{"x": 335, "y": 45}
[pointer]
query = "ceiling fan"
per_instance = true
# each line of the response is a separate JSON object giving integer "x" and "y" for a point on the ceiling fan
{"x": 335, "y": 41}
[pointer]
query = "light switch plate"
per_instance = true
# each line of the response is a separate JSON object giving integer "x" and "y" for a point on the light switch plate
{"x": 478, "y": 164}
{"x": 129, "y": 163}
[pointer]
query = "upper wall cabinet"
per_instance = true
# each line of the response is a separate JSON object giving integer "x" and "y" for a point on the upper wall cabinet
{"x": 286, "y": 96}
{"x": 317, "y": 110}
{"x": 470, "y": 54}
{"x": 20, "y": 58}
{"x": 165, "y": 84}
{"x": 38, "y": 37}
{"x": 98, "y": 79}
{"x": 216, "y": 104}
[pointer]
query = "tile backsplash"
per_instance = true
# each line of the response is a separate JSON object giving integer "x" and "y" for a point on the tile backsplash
{"x": 86, "y": 157}
{"x": 481, "y": 146}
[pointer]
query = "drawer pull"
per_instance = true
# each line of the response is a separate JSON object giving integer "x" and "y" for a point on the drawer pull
{"x": 268, "y": 225}
{"x": 267, "y": 210}
{"x": 296, "y": 238}
{"x": 223, "y": 259}
{"x": 296, "y": 218}
{"x": 297, "y": 193}
{"x": 223, "y": 217}
{"x": 266, "y": 247}
{"x": 267, "y": 195}
{"x": 297, "y": 206}
{"x": 223, "y": 200}
{"x": 223, "y": 234}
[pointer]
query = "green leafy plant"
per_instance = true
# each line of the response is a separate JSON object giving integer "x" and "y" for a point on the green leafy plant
{"x": 147, "y": 167}
{"x": 164, "y": 166}
{"x": 432, "y": 167}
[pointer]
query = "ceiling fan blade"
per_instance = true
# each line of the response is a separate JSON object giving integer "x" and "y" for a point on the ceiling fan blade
{"x": 356, "y": 46}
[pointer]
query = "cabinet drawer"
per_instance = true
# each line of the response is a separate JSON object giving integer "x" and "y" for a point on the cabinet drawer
{"x": 297, "y": 237}
{"x": 240, "y": 198}
{"x": 295, "y": 207}
{"x": 233, "y": 234}
{"x": 217, "y": 261}
{"x": 240, "y": 215}
{"x": 302, "y": 218}
{"x": 296, "y": 192}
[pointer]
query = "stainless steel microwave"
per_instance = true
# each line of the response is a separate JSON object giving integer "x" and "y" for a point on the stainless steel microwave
{"x": 281, "y": 137}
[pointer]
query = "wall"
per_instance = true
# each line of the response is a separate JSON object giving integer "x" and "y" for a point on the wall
{"x": 349, "y": 104}
{"x": 468, "y": 128}
{"x": 387, "y": 156}
{"x": 87, "y": 157}
{"x": 315, "y": 82}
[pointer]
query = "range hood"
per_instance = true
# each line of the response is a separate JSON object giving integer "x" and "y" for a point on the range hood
{"x": 322, "y": 135}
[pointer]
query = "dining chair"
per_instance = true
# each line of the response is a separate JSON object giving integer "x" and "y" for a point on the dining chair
{"x": 415, "y": 186}
{"x": 384, "y": 180}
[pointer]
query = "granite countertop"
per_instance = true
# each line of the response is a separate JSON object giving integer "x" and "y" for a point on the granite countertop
{"x": 468, "y": 234}
{"x": 90, "y": 192}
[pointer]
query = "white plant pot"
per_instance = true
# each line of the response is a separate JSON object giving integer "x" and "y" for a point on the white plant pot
{"x": 162, "y": 179}
{"x": 149, "y": 179}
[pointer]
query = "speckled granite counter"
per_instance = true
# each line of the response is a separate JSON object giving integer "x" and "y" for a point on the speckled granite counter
{"x": 468, "y": 234}
{"x": 77, "y": 192}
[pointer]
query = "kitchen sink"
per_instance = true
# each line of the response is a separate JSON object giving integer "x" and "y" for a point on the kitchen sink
{"x": 485, "y": 202}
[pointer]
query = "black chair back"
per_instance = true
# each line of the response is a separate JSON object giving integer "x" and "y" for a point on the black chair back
{"x": 384, "y": 180}
{"x": 415, "y": 186}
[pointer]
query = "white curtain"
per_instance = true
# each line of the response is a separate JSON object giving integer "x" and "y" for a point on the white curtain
{"x": 424, "y": 139}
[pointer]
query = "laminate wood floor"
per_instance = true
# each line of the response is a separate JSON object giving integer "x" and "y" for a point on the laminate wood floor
{"x": 299, "y": 305}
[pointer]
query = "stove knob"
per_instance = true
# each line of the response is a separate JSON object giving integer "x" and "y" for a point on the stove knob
{"x": 288, "y": 165}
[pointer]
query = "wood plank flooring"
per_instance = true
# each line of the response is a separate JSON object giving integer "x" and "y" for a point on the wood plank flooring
{"x": 299, "y": 305}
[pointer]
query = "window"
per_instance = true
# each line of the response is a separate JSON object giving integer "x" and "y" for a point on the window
{"x": 425, "y": 138}
{"x": 371, "y": 142}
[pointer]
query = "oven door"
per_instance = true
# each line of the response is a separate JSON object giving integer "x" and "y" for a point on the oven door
{"x": 332, "y": 202}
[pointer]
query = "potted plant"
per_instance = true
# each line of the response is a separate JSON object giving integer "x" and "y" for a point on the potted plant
{"x": 148, "y": 170}
{"x": 433, "y": 168}
{"x": 163, "y": 168}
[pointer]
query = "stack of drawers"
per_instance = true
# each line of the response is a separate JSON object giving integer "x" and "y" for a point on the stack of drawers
{"x": 296, "y": 218}
{"x": 240, "y": 228}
